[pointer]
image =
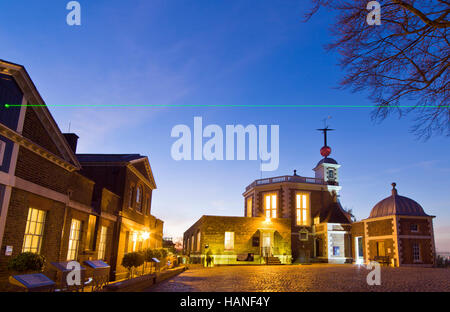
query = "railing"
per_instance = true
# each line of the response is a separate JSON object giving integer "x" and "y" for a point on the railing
{"x": 295, "y": 179}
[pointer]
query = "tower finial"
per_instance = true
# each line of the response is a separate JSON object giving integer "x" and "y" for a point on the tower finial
{"x": 325, "y": 151}
{"x": 394, "y": 190}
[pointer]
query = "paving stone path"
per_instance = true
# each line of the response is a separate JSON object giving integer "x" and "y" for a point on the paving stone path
{"x": 298, "y": 278}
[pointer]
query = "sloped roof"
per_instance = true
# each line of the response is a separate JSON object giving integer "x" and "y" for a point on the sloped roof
{"x": 23, "y": 79}
{"x": 116, "y": 158}
{"x": 334, "y": 213}
{"x": 129, "y": 160}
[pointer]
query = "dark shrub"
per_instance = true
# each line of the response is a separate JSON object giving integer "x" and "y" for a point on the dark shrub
{"x": 27, "y": 262}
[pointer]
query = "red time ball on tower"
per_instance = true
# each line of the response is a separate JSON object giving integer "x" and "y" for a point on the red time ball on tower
{"x": 325, "y": 151}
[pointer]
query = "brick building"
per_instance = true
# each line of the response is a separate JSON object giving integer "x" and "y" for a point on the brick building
{"x": 48, "y": 204}
{"x": 130, "y": 178}
{"x": 239, "y": 240}
{"x": 397, "y": 232}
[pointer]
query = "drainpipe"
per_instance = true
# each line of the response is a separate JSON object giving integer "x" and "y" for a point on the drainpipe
{"x": 64, "y": 224}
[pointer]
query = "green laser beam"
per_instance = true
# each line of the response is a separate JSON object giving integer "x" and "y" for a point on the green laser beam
{"x": 231, "y": 105}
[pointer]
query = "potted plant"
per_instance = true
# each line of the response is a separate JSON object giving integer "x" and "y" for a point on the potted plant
{"x": 149, "y": 254}
{"x": 131, "y": 261}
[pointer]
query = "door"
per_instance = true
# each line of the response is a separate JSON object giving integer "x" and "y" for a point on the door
{"x": 319, "y": 248}
{"x": 266, "y": 244}
{"x": 359, "y": 250}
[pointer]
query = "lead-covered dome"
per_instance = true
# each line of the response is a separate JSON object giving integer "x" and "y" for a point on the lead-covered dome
{"x": 327, "y": 160}
{"x": 397, "y": 205}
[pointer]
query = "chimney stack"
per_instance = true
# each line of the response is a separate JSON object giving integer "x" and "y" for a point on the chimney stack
{"x": 72, "y": 139}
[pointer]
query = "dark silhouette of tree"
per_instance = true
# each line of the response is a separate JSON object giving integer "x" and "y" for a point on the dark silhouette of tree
{"x": 403, "y": 60}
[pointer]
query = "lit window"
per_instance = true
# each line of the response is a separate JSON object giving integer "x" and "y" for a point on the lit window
{"x": 192, "y": 242}
{"x": 416, "y": 252}
{"x": 34, "y": 231}
{"x": 414, "y": 228}
{"x": 316, "y": 220}
{"x": 74, "y": 239}
{"x": 198, "y": 241}
{"x": 336, "y": 251}
{"x": 102, "y": 243}
{"x": 381, "y": 251}
{"x": 229, "y": 240}
{"x": 271, "y": 205}
{"x": 302, "y": 204}
{"x": 249, "y": 206}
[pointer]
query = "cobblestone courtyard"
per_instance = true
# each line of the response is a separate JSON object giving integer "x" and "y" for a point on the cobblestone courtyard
{"x": 293, "y": 278}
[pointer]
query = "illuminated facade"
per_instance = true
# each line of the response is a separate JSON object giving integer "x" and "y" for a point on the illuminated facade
{"x": 54, "y": 202}
{"x": 239, "y": 240}
{"x": 397, "y": 233}
{"x": 130, "y": 178}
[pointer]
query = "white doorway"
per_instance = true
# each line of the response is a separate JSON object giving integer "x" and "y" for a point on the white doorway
{"x": 359, "y": 253}
{"x": 266, "y": 244}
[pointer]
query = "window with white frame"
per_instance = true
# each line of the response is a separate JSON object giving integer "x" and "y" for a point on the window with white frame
{"x": 34, "y": 231}
{"x": 229, "y": 240}
{"x": 302, "y": 208}
{"x": 416, "y": 252}
{"x": 102, "y": 243}
{"x": 74, "y": 240}
{"x": 270, "y": 203}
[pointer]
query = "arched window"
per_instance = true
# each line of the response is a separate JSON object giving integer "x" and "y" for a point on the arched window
{"x": 139, "y": 198}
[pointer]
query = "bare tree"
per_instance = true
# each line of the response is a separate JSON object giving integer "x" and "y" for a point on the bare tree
{"x": 403, "y": 60}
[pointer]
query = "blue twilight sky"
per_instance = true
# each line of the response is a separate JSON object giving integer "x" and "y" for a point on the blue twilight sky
{"x": 217, "y": 52}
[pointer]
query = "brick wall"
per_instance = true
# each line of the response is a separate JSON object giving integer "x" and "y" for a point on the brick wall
{"x": 213, "y": 230}
{"x": 20, "y": 202}
{"x": 422, "y": 226}
{"x": 425, "y": 251}
{"x": 38, "y": 170}
{"x": 110, "y": 202}
{"x": 380, "y": 227}
{"x": 81, "y": 188}
{"x": 35, "y": 131}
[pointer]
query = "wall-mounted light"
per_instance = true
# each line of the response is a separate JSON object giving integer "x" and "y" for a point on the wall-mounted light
{"x": 145, "y": 235}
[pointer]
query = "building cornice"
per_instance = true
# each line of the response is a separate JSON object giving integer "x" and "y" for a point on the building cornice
{"x": 33, "y": 147}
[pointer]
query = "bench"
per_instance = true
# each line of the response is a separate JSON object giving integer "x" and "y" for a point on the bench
{"x": 245, "y": 257}
{"x": 383, "y": 260}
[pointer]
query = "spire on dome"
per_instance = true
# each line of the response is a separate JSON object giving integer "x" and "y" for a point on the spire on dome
{"x": 394, "y": 190}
